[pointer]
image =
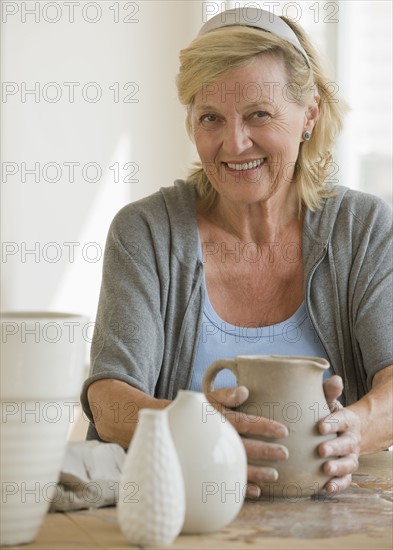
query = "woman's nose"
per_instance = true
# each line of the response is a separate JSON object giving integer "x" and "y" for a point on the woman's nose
{"x": 236, "y": 137}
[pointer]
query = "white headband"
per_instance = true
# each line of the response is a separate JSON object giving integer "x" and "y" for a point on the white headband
{"x": 260, "y": 19}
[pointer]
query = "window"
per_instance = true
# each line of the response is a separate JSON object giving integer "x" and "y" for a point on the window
{"x": 354, "y": 37}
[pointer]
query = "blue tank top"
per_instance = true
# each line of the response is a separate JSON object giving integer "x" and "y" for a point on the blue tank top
{"x": 219, "y": 339}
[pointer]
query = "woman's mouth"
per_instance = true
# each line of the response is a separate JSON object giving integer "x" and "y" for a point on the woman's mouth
{"x": 249, "y": 165}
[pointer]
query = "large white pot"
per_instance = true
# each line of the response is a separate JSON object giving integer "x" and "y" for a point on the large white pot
{"x": 42, "y": 366}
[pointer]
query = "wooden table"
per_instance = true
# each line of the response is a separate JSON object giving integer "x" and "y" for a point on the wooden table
{"x": 360, "y": 518}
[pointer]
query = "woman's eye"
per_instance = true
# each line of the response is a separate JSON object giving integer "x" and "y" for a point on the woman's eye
{"x": 209, "y": 121}
{"x": 260, "y": 114}
{"x": 208, "y": 118}
{"x": 258, "y": 118}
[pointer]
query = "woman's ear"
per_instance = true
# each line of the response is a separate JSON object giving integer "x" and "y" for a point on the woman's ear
{"x": 312, "y": 112}
{"x": 311, "y": 115}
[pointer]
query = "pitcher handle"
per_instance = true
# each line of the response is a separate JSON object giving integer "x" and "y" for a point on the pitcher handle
{"x": 212, "y": 371}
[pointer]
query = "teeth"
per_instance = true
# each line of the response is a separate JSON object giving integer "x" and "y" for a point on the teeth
{"x": 246, "y": 165}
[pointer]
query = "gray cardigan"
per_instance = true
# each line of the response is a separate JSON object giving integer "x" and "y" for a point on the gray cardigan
{"x": 151, "y": 301}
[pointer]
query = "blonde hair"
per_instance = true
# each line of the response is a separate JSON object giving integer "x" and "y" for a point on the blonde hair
{"x": 214, "y": 54}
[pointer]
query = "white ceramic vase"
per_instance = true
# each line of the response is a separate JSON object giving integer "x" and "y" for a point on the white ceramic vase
{"x": 42, "y": 367}
{"x": 213, "y": 461}
{"x": 151, "y": 502}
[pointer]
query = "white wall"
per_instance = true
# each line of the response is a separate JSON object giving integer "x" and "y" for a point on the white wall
{"x": 364, "y": 73}
{"x": 64, "y": 223}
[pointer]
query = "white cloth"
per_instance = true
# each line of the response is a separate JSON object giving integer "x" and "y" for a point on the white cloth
{"x": 89, "y": 476}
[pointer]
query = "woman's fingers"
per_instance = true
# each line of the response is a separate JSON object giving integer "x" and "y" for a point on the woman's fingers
{"x": 229, "y": 397}
{"x": 246, "y": 424}
{"x": 253, "y": 491}
{"x": 258, "y": 475}
{"x": 225, "y": 400}
{"x": 344, "y": 448}
{"x": 333, "y": 388}
{"x": 346, "y": 424}
{"x": 345, "y": 444}
{"x": 260, "y": 450}
{"x": 342, "y": 466}
{"x": 338, "y": 484}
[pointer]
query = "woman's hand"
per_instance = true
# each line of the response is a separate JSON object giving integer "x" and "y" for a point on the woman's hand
{"x": 333, "y": 388}
{"x": 346, "y": 447}
{"x": 245, "y": 424}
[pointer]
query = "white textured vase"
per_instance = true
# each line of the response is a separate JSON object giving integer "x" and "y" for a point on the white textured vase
{"x": 42, "y": 367}
{"x": 213, "y": 461}
{"x": 151, "y": 503}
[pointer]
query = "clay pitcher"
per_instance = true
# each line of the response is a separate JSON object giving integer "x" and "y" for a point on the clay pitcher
{"x": 288, "y": 390}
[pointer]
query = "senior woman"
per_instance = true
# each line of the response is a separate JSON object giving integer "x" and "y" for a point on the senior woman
{"x": 254, "y": 254}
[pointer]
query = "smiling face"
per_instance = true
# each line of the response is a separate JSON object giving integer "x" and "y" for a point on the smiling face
{"x": 247, "y": 130}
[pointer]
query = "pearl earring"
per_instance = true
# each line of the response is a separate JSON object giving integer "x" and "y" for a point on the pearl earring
{"x": 306, "y": 135}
